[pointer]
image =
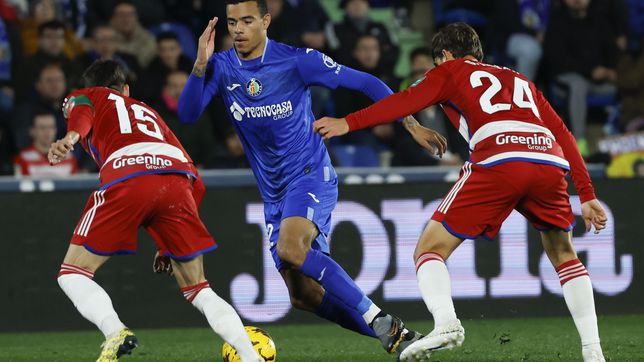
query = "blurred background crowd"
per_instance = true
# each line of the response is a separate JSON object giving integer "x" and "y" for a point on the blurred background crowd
{"x": 585, "y": 55}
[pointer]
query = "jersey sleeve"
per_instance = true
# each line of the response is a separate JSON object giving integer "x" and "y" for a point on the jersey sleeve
{"x": 78, "y": 110}
{"x": 565, "y": 139}
{"x": 317, "y": 68}
{"x": 198, "y": 92}
{"x": 430, "y": 90}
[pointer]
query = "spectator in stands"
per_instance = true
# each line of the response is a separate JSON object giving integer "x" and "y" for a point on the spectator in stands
{"x": 366, "y": 58}
{"x": 233, "y": 156}
{"x": 314, "y": 24}
{"x": 105, "y": 44}
{"x": 51, "y": 43}
{"x": 150, "y": 12}
{"x": 134, "y": 39}
{"x": 343, "y": 36}
{"x": 170, "y": 58}
{"x": 32, "y": 160}
{"x": 198, "y": 139}
{"x": 50, "y": 91}
{"x": 630, "y": 87}
{"x": 9, "y": 55}
{"x": 299, "y": 23}
{"x": 580, "y": 55}
{"x": 420, "y": 62}
{"x": 518, "y": 28}
{"x": 285, "y": 22}
{"x": 405, "y": 150}
{"x": 616, "y": 14}
{"x": 44, "y": 11}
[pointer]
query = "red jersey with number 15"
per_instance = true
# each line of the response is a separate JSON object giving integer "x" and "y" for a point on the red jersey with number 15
{"x": 498, "y": 111}
{"x": 124, "y": 136}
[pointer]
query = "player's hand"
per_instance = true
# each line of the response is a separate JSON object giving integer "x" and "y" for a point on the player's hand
{"x": 429, "y": 139}
{"x": 162, "y": 264}
{"x": 329, "y": 127}
{"x": 58, "y": 150}
{"x": 206, "y": 44}
{"x": 594, "y": 215}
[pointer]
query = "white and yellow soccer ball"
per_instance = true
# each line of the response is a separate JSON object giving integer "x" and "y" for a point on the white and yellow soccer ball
{"x": 262, "y": 342}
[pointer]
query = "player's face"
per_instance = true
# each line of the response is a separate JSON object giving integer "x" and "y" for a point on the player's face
{"x": 247, "y": 27}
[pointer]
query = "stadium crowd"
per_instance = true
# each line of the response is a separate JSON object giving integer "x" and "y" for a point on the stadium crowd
{"x": 585, "y": 55}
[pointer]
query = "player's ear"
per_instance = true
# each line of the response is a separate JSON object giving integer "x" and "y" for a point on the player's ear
{"x": 126, "y": 90}
{"x": 447, "y": 55}
{"x": 266, "y": 21}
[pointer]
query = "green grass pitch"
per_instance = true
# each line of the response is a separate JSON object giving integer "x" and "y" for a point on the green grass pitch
{"x": 542, "y": 339}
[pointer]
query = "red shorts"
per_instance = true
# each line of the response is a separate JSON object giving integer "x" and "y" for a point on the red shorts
{"x": 483, "y": 197}
{"x": 165, "y": 204}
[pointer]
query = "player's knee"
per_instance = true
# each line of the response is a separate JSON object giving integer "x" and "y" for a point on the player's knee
{"x": 560, "y": 256}
{"x": 291, "y": 252}
{"x": 431, "y": 247}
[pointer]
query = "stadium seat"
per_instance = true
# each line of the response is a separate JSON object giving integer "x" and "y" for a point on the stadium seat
{"x": 186, "y": 38}
{"x": 355, "y": 156}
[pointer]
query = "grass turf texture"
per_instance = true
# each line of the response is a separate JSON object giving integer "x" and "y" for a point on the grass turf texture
{"x": 543, "y": 339}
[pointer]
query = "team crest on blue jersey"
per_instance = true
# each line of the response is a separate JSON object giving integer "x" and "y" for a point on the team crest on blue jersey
{"x": 254, "y": 87}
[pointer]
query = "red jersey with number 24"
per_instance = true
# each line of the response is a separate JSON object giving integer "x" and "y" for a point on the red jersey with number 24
{"x": 124, "y": 136}
{"x": 498, "y": 111}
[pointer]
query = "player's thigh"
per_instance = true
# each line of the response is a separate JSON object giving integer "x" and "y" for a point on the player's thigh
{"x": 480, "y": 201}
{"x": 188, "y": 272}
{"x": 175, "y": 225}
{"x": 435, "y": 238}
{"x": 305, "y": 293}
{"x": 547, "y": 203}
{"x": 79, "y": 256}
{"x": 112, "y": 217}
{"x": 306, "y": 215}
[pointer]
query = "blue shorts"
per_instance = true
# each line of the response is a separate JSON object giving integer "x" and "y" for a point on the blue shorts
{"x": 310, "y": 199}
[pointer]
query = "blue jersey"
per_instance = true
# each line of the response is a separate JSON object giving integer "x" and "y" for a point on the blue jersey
{"x": 269, "y": 104}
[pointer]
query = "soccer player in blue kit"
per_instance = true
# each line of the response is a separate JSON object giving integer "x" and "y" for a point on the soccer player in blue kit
{"x": 265, "y": 86}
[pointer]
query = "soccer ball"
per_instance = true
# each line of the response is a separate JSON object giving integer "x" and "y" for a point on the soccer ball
{"x": 262, "y": 342}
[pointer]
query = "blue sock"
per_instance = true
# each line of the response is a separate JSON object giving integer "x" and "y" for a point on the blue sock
{"x": 335, "y": 280}
{"x": 336, "y": 311}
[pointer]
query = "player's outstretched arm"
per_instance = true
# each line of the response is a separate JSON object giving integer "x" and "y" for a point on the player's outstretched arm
{"x": 427, "y": 138}
{"x": 594, "y": 215}
{"x": 434, "y": 142}
{"x": 198, "y": 91}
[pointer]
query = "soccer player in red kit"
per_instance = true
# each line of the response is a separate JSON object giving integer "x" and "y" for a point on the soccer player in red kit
{"x": 520, "y": 152}
{"x": 146, "y": 179}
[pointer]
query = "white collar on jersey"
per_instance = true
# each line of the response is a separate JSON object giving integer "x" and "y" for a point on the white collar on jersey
{"x": 263, "y": 54}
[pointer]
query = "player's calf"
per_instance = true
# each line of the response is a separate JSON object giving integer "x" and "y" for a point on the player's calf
{"x": 89, "y": 298}
{"x": 222, "y": 318}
